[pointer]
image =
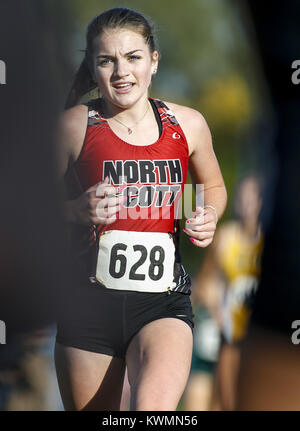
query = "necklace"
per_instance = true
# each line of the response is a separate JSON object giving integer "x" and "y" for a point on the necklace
{"x": 129, "y": 129}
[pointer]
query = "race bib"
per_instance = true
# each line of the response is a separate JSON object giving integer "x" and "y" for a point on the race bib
{"x": 139, "y": 261}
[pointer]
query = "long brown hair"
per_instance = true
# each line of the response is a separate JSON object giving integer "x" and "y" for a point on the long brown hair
{"x": 115, "y": 18}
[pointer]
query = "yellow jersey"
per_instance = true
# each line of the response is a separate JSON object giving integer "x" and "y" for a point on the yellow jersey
{"x": 239, "y": 258}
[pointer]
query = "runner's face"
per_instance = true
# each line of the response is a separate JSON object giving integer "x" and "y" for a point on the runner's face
{"x": 249, "y": 200}
{"x": 123, "y": 65}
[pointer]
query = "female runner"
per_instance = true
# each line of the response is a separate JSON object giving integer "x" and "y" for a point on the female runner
{"x": 129, "y": 154}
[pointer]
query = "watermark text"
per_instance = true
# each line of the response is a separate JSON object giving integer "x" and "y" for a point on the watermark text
{"x": 296, "y": 75}
{"x": 2, "y": 332}
{"x": 296, "y": 334}
{"x": 2, "y": 72}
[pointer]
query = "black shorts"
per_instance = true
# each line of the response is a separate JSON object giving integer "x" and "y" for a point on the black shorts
{"x": 104, "y": 320}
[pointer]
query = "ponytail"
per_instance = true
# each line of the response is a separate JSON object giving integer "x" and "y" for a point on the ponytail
{"x": 83, "y": 83}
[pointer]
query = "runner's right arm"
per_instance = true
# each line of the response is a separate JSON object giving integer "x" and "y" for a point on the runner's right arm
{"x": 93, "y": 206}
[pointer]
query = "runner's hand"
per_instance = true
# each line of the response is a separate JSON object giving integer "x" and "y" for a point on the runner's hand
{"x": 97, "y": 205}
{"x": 201, "y": 227}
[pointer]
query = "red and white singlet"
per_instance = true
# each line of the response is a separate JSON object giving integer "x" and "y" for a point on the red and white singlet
{"x": 139, "y": 251}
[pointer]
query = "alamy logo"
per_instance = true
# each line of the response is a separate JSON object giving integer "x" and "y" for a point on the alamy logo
{"x": 2, "y": 72}
{"x": 296, "y": 334}
{"x": 295, "y": 75}
{"x": 2, "y": 332}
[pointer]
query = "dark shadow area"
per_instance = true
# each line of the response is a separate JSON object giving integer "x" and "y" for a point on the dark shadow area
{"x": 269, "y": 374}
{"x": 34, "y": 46}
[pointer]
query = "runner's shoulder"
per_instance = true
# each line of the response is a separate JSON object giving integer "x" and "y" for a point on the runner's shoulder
{"x": 192, "y": 123}
{"x": 75, "y": 117}
{"x": 226, "y": 229}
{"x": 72, "y": 129}
{"x": 189, "y": 117}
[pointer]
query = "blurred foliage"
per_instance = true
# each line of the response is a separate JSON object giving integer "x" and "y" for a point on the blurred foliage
{"x": 208, "y": 62}
{"x": 235, "y": 109}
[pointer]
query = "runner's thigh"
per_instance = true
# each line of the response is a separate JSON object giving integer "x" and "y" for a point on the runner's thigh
{"x": 88, "y": 380}
{"x": 158, "y": 360}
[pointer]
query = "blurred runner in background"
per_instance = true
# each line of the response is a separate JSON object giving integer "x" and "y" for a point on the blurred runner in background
{"x": 27, "y": 374}
{"x": 223, "y": 294}
{"x": 205, "y": 300}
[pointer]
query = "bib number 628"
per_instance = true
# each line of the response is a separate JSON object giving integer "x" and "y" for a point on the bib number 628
{"x": 118, "y": 261}
{"x": 138, "y": 261}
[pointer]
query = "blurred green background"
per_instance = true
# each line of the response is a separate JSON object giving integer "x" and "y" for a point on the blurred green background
{"x": 209, "y": 62}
